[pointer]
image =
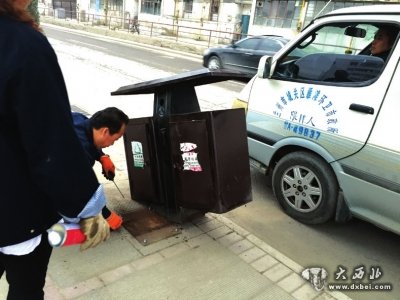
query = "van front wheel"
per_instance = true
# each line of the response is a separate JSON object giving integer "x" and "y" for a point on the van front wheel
{"x": 305, "y": 187}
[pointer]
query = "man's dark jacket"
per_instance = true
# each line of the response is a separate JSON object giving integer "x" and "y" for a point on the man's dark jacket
{"x": 45, "y": 172}
{"x": 85, "y": 134}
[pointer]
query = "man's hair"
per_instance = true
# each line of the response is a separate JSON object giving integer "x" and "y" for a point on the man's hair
{"x": 110, "y": 117}
{"x": 391, "y": 32}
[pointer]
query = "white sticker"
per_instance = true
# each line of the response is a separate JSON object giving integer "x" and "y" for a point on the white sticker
{"x": 190, "y": 161}
{"x": 185, "y": 147}
{"x": 137, "y": 151}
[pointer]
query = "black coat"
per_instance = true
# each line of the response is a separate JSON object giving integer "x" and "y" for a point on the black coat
{"x": 44, "y": 170}
{"x": 84, "y": 131}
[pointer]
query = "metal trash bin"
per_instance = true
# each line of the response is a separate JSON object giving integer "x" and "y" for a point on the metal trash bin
{"x": 182, "y": 157}
{"x": 143, "y": 161}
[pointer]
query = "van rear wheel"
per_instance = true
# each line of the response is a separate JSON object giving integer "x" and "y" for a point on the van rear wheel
{"x": 305, "y": 187}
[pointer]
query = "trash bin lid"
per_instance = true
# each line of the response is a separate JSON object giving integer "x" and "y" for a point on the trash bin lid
{"x": 190, "y": 78}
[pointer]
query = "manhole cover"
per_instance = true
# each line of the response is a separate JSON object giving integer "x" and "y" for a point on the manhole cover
{"x": 149, "y": 227}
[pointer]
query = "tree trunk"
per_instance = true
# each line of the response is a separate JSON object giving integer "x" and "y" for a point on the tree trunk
{"x": 106, "y": 11}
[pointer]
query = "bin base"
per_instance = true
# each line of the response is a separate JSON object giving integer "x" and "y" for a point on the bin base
{"x": 177, "y": 215}
{"x": 148, "y": 227}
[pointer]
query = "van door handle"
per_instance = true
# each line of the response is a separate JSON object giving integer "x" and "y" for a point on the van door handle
{"x": 362, "y": 108}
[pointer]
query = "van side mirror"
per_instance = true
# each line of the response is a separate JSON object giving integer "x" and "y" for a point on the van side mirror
{"x": 264, "y": 67}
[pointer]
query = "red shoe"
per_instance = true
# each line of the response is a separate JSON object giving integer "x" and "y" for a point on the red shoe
{"x": 114, "y": 221}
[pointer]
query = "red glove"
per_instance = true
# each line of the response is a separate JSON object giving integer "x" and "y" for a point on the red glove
{"x": 108, "y": 167}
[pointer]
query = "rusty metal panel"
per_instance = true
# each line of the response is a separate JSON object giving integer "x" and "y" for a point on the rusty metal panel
{"x": 194, "y": 184}
{"x": 210, "y": 159}
{"x": 142, "y": 159}
{"x": 231, "y": 159}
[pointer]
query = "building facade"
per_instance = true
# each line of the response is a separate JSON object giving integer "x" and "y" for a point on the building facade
{"x": 279, "y": 17}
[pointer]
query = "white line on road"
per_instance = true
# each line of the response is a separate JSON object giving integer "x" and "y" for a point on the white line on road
{"x": 87, "y": 44}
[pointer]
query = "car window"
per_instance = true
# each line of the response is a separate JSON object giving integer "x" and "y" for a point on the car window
{"x": 248, "y": 43}
{"x": 333, "y": 53}
{"x": 271, "y": 45}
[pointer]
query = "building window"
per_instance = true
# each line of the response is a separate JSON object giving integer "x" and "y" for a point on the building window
{"x": 112, "y": 4}
{"x": 279, "y": 13}
{"x": 214, "y": 9}
{"x": 187, "y": 6}
{"x": 115, "y": 5}
{"x": 152, "y": 7}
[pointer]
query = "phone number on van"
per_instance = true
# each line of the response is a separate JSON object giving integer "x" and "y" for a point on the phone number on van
{"x": 303, "y": 131}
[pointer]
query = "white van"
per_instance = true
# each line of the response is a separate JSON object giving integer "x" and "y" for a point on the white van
{"x": 322, "y": 120}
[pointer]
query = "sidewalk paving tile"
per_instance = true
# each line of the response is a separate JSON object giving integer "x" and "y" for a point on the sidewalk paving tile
{"x": 305, "y": 292}
{"x": 277, "y": 272}
{"x": 241, "y": 246}
{"x": 219, "y": 232}
{"x": 251, "y": 254}
{"x": 238, "y": 229}
{"x": 230, "y": 238}
{"x": 147, "y": 261}
{"x": 324, "y": 296}
{"x": 81, "y": 288}
{"x": 274, "y": 293}
{"x": 199, "y": 240}
{"x": 116, "y": 274}
{"x": 69, "y": 266}
{"x": 210, "y": 225}
{"x": 291, "y": 282}
{"x": 264, "y": 263}
{"x": 211, "y": 272}
{"x": 174, "y": 250}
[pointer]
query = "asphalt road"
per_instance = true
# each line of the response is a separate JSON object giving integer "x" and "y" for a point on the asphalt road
{"x": 140, "y": 53}
{"x": 331, "y": 245}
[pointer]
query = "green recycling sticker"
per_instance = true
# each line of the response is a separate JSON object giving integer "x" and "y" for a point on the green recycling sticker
{"x": 137, "y": 151}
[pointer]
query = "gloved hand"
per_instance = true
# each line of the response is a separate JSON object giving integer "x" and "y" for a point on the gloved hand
{"x": 108, "y": 167}
{"x": 96, "y": 230}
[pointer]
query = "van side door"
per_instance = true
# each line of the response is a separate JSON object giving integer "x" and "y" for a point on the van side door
{"x": 371, "y": 177}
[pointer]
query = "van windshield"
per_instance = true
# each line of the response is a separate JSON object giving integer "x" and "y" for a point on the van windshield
{"x": 338, "y": 52}
{"x": 335, "y": 39}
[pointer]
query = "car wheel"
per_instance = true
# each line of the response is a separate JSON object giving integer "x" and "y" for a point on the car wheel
{"x": 305, "y": 187}
{"x": 214, "y": 63}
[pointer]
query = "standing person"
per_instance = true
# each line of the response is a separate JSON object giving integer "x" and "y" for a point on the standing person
{"x": 98, "y": 132}
{"x": 237, "y": 32}
{"x": 47, "y": 175}
{"x": 383, "y": 41}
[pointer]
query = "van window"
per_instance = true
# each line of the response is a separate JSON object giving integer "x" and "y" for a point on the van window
{"x": 333, "y": 53}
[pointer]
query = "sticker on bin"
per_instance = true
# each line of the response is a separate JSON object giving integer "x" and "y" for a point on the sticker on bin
{"x": 137, "y": 151}
{"x": 189, "y": 157}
